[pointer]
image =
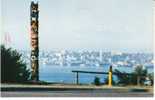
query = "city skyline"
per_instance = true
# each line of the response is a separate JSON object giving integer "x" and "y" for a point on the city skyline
{"x": 76, "y": 24}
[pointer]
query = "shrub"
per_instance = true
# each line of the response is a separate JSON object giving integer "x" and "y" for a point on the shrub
{"x": 13, "y": 69}
{"x": 97, "y": 81}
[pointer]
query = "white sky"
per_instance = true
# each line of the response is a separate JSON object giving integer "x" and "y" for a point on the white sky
{"x": 121, "y": 25}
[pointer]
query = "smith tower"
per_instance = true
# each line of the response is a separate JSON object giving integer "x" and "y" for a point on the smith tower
{"x": 34, "y": 12}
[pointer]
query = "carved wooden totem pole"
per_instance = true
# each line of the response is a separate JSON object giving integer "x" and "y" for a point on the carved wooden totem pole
{"x": 34, "y": 41}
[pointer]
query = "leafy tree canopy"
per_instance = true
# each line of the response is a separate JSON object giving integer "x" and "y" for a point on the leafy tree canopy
{"x": 13, "y": 69}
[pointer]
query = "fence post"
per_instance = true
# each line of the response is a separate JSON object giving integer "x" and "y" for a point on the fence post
{"x": 77, "y": 78}
{"x": 110, "y": 77}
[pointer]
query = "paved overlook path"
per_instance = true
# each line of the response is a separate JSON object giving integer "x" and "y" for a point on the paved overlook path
{"x": 61, "y": 90}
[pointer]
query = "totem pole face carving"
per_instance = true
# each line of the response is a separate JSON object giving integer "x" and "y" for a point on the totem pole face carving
{"x": 34, "y": 41}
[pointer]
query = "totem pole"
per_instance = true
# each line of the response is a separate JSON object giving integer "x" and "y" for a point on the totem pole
{"x": 34, "y": 41}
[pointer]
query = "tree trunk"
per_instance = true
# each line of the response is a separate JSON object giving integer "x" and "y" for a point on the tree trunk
{"x": 138, "y": 80}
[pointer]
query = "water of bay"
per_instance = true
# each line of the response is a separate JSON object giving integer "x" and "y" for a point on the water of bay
{"x": 64, "y": 74}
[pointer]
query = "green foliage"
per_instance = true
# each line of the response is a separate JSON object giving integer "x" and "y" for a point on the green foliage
{"x": 13, "y": 69}
{"x": 97, "y": 81}
{"x": 139, "y": 74}
{"x": 123, "y": 78}
{"x": 135, "y": 78}
{"x": 151, "y": 77}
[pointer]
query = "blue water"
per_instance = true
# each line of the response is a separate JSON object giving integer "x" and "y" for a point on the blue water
{"x": 64, "y": 74}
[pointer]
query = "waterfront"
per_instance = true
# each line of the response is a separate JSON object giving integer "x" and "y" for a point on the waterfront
{"x": 64, "y": 74}
{"x": 57, "y": 66}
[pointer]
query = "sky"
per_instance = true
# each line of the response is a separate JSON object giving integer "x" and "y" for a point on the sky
{"x": 110, "y": 25}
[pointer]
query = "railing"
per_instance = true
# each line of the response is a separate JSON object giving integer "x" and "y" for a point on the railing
{"x": 110, "y": 73}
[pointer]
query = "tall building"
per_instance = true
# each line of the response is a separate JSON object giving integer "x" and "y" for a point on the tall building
{"x": 34, "y": 41}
